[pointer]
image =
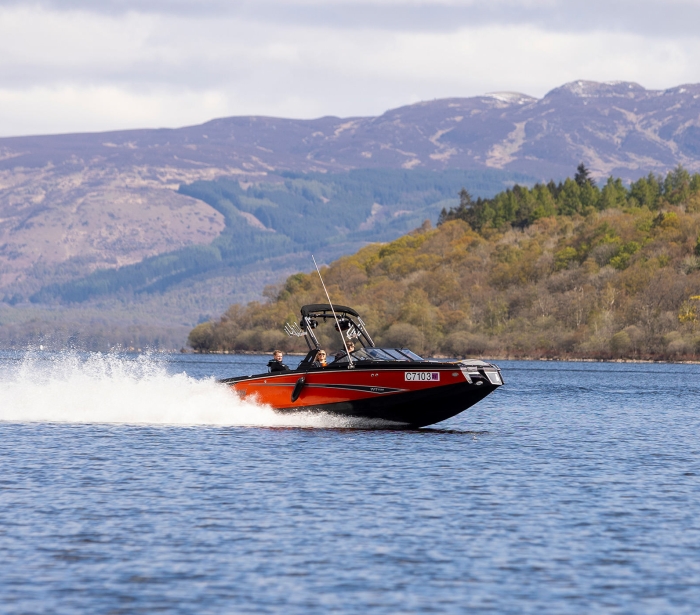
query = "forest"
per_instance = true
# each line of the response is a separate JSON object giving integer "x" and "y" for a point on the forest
{"x": 570, "y": 270}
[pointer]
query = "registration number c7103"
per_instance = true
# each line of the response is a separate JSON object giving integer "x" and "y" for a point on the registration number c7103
{"x": 421, "y": 376}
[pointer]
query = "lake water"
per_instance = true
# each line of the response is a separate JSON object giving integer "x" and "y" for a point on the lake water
{"x": 138, "y": 485}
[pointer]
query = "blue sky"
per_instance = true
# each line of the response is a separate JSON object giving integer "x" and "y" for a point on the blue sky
{"x": 81, "y": 65}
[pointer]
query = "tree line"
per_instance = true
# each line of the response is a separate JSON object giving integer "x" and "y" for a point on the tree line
{"x": 520, "y": 206}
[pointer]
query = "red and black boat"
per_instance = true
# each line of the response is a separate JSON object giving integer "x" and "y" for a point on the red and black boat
{"x": 390, "y": 387}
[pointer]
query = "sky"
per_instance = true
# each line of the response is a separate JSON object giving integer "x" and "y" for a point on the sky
{"x": 94, "y": 65}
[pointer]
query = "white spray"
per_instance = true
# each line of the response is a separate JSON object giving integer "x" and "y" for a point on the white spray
{"x": 113, "y": 389}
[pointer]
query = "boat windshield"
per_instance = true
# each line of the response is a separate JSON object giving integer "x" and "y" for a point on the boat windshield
{"x": 411, "y": 355}
{"x": 398, "y": 356}
{"x": 381, "y": 354}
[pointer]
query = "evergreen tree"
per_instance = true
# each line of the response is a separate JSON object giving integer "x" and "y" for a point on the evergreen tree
{"x": 465, "y": 199}
{"x": 613, "y": 195}
{"x": 461, "y": 212}
{"x": 583, "y": 176}
{"x": 546, "y": 205}
{"x": 677, "y": 185}
{"x": 647, "y": 191}
{"x": 569, "y": 200}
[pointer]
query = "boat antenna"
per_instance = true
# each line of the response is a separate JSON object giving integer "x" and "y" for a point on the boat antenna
{"x": 347, "y": 352}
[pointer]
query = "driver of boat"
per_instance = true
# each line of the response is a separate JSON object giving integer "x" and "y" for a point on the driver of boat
{"x": 320, "y": 359}
{"x": 342, "y": 353}
{"x": 275, "y": 364}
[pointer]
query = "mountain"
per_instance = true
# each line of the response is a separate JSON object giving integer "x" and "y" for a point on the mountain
{"x": 71, "y": 205}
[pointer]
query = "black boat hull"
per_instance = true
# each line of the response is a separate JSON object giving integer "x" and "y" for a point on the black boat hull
{"x": 411, "y": 409}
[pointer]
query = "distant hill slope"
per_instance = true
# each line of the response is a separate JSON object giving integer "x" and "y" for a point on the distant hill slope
{"x": 329, "y": 214}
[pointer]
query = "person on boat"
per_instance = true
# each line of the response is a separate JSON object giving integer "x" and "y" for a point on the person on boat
{"x": 275, "y": 364}
{"x": 342, "y": 353}
{"x": 320, "y": 359}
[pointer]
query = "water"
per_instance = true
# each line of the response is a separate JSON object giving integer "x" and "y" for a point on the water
{"x": 136, "y": 485}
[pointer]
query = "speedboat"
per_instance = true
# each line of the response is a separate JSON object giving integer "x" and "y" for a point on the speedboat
{"x": 390, "y": 387}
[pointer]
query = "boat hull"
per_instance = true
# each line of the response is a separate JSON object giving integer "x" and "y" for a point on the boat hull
{"x": 380, "y": 395}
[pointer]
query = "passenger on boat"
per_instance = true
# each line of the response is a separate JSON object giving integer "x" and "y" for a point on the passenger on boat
{"x": 275, "y": 364}
{"x": 320, "y": 359}
{"x": 342, "y": 353}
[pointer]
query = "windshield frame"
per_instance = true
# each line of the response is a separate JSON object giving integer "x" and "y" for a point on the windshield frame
{"x": 383, "y": 355}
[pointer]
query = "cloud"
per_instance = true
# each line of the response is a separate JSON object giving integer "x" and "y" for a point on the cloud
{"x": 69, "y": 67}
{"x": 651, "y": 18}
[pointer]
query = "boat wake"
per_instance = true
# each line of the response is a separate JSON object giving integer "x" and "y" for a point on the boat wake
{"x": 69, "y": 388}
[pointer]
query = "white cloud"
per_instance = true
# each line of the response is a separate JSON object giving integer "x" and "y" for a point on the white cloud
{"x": 77, "y": 70}
{"x": 42, "y": 110}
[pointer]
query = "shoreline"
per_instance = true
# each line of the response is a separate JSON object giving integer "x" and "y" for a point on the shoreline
{"x": 490, "y": 358}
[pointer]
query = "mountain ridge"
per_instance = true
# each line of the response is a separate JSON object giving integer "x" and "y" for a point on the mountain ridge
{"x": 429, "y": 134}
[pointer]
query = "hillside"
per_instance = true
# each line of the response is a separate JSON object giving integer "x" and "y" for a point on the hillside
{"x": 70, "y": 204}
{"x": 101, "y": 233}
{"x": 597, "y": 273}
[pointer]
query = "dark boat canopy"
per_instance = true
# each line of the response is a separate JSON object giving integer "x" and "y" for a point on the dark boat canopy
{"x": 348, "y": 324}
{"x": 317, "y": 309}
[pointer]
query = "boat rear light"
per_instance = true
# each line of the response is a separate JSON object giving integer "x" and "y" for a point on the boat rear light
{"x": 494, "y": 377}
